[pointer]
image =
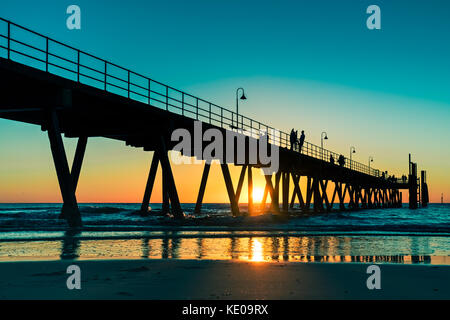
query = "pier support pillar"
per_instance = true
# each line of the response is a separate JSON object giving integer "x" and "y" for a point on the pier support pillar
{"x": 169, "y": 180}
{"x": 150, "y": 182}
{"x": 270, "y": 190}
{"x": 318, "y": 207}
{"x": 240, "y": 183}
{"x": 66, "y": 185}
{"x": 76, "y": 166}
{"x": 341, "y": 195}
{"x": 324, "y": 185}
{"x": 369, "y": 192}
{"x": 276, "y": 193}
{"x": 413, "y": 186}
{"x": 297, "y": 192}
{"x": 424, "y": 199}
{"x": 201, "y": 191}
{"x": 78, "y": 160}
{"x": 308, "y": 193}
{"x": 250, "y": 189}
{"x": 285, "y": 195}
{"x": 351, "y": 194}
{"x": 230, "y": 189}
{"x": 165, "y": 208}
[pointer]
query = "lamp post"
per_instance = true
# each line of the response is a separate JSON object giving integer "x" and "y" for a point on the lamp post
{"x": 370, "y": 160}
{"x": 352, "y": 151}
{"x": 243, "y": 97}
{"x": 323, "y": 136}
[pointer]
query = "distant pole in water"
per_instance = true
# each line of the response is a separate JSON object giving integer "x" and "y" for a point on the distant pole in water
{"x": 442, "y": 198}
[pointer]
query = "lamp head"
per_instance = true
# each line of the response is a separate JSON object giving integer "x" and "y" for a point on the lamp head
{"x": 326, "y": 138}
{"x": 243, "y": 97}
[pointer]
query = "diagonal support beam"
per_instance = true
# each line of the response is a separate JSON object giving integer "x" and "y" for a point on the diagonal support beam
{"x": 150, "y": 182}
{"x": 76, "y": 166}
{"x": 297, "y": 191}
{"x": 201, "y": 191}
{"x": 168, "y": 177}
{"x": 66, "y": 185}
{"x": 318, "y": 204}
{"x": 230, "y": 189}
{"x": 270, "y": 190}
{"x": 250, "y": 189}
{"x": 240, "y": 183}
{"x": 285, "y": 195}
{"x": 324, "y": 194}
{"x": 334, "y": 194}
{"x": 308, "y": 193}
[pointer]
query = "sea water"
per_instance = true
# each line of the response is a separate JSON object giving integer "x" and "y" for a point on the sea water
{"x": 116, "y": 231}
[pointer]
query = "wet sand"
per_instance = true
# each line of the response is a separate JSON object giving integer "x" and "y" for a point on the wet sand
{"x": 206, "y": 279}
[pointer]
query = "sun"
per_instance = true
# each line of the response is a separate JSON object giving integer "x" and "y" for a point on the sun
{"x": 258, "y": 194}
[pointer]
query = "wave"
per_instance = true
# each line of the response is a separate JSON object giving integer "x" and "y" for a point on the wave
{"x": 22, "y": 217}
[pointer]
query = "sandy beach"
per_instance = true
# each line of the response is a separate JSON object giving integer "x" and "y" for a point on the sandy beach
{"x": 193, "y": 279}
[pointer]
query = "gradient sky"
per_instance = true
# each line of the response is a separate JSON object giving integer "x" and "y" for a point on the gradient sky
{"x": 312, "y": 65}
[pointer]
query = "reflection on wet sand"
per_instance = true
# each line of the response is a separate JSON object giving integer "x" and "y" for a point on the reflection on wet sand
{"x": 70, "y": 246}
{"x": 284, "y": 248}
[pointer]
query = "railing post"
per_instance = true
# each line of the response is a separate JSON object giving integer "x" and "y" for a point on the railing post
{"x": 46, "y": 54}
{"x": 149, "y": 90}
{"x": 106, "y": 72}
{"x": 196, "y": 110}
{"x": 182, "y": 103}
{"x": 78, "y": 65}
{"x": 9, "y": 40}
{"x": 210, "y": 113}
{"x": 167, "y": 98}
{"x": 128, "y": 83}
{"x": 221, "y": 117}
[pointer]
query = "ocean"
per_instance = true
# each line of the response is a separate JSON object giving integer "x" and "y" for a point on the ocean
{"x": 116, "y": 231}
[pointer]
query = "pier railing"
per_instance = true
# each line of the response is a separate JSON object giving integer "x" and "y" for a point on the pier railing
{"x": 28, "y": 47}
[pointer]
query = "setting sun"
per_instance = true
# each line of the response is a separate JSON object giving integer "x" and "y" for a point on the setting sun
{"x": 258, "y": 194}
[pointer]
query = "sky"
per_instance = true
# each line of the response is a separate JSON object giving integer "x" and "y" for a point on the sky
{"x": 309, "y": 65}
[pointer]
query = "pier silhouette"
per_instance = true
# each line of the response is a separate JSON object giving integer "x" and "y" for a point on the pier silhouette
{"x": 68, "y": 91}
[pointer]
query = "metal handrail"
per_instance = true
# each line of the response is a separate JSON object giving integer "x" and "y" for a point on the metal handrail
{"x": 186, "y": 104}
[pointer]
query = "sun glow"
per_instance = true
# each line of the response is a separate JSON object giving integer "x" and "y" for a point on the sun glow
{"x": 257, "y": 251}
{"x": 258, "y": 194}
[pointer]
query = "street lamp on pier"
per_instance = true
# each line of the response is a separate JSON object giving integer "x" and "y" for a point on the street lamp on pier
{"x": 370, "y": 160}
{"x": 243, "y": 97}
{"x": 323, "y": 136}
{"x": 352, "y": 151}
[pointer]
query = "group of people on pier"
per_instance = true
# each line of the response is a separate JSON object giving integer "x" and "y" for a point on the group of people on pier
{"x": 340, "y": 161}
{"x": 297, "y": 143}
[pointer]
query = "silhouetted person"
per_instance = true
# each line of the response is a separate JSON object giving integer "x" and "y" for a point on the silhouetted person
{"x": 301, "y": 141}
{"x": 383, "y": 176}
{"x": 331, "y": 159}
{"x": 341, "y": 160}
{"x": 293, "y": 139}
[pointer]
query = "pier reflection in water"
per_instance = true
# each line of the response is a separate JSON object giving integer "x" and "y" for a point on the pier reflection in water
{"x": 172, "y": 245}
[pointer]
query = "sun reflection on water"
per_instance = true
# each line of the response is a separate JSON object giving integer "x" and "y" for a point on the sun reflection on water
{"x": 257, "y": 250}
{"x": 427, "y": 250}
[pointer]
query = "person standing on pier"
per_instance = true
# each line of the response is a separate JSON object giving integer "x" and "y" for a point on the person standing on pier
{"x": 341, "y": 160}
{"x": 293, "y": 139}
{"x": 301, "y": 141}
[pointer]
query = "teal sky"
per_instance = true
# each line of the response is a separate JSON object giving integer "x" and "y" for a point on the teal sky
{"x": 311, "y": 65}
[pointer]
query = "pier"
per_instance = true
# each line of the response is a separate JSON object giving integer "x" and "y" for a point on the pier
{"x": 69, "y": 92}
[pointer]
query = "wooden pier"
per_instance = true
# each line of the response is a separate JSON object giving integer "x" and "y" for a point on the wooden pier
{"x": 81, "y": 100}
